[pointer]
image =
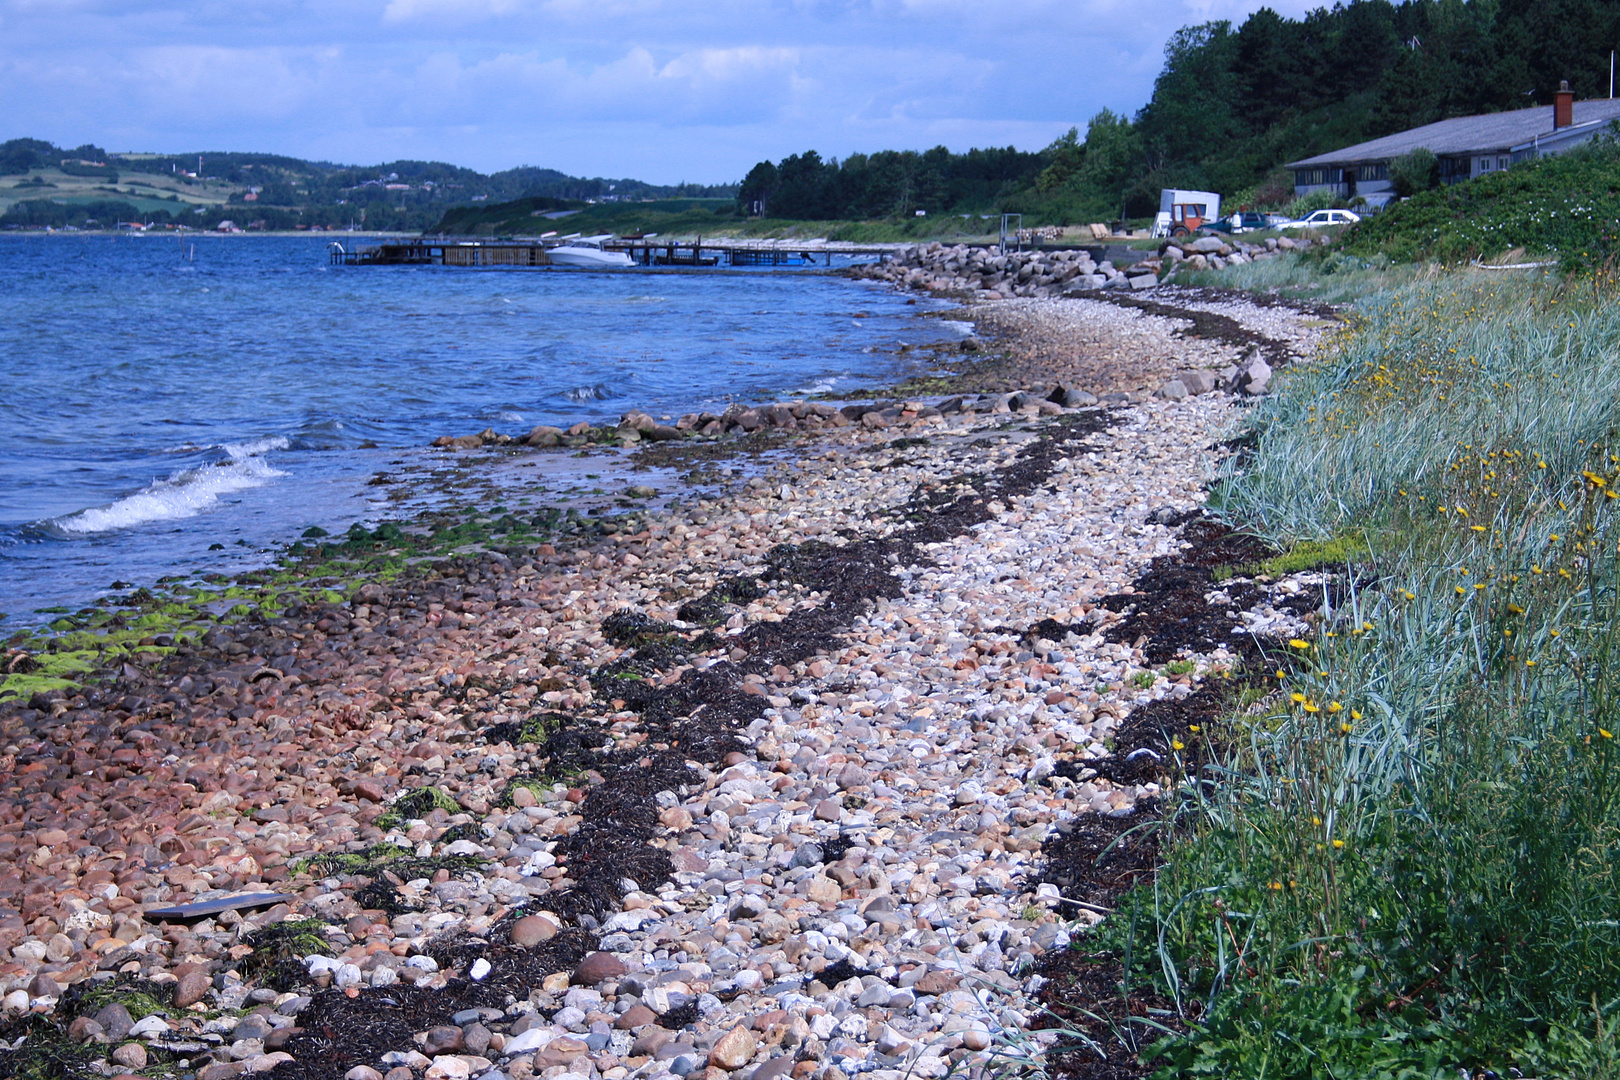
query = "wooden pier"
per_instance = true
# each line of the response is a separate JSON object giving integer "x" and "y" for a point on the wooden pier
{"x": 649, "y": 251}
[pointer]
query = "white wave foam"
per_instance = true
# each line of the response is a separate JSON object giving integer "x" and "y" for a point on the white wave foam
{"x": 599, "y": 392}
{"x": 823, "y": 387}
{"x": 255, "y": 447}
{"x": 185, "y": 494}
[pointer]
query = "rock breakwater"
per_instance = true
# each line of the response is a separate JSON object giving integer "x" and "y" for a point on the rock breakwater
{"x": 984, "y": 273}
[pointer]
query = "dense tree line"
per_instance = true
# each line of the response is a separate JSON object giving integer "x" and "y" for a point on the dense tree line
{"x": 1231, "y": 105}
{"x": 888, "y": 183}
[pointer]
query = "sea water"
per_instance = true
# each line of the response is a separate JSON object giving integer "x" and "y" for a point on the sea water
{"x": 177, "y": 405}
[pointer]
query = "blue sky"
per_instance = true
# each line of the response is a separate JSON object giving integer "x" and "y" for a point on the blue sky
{"x": 657, "y": 90}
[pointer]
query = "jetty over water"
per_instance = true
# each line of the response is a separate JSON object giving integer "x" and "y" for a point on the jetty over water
{"x": 648, "y": 251}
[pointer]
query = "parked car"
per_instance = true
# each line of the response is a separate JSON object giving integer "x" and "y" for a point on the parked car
{"x": 1246, "y": 221}
{"x": 1323, "y": 219}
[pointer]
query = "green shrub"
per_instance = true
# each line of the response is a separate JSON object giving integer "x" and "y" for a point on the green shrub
{"x": 1567, "y": 207}
{"x": 1418, "y": 170}
{"x": 1321, "y": 199}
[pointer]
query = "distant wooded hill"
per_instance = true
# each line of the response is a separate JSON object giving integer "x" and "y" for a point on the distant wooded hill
{"x": 1232, "y": 105}
{"x": 284, "y": 192}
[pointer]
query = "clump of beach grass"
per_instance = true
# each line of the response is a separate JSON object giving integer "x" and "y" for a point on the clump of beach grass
{"x": 1331, "y": 277}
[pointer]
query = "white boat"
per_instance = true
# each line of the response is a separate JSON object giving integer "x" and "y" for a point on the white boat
{"x": 587, "y": 251}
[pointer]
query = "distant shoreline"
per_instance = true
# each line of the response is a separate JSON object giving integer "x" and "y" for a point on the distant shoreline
{"x": 367, "y": 235}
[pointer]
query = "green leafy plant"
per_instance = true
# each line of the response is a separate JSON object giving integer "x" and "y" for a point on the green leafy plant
{"x": 418, "y": 803}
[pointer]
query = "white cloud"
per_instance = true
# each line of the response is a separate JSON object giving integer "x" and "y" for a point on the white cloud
{"x": 460, "y": 10}
{"x": 745, "y": 62}
{"x": 267, "y": 82}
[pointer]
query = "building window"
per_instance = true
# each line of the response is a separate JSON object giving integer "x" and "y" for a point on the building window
{"x": 1369, "y": 173}
{"x": 1317, "y": 177}
{"x": 1484, "y": 164}
{"x": 1501, "y": 163}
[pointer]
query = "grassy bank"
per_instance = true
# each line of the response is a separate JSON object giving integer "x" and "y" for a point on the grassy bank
{"x": 1409, "y": 861}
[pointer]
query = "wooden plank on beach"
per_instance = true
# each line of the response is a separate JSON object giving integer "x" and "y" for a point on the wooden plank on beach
{"x": 218, "y": 904}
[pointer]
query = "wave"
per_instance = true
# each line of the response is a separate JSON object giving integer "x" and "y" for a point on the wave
{"x": 599, "y": 392}
{"x": 329, "y": 434}
{"x": 255, "y": 447}
{"x": 185, "y": 494}
{"x": 822, "y": 387}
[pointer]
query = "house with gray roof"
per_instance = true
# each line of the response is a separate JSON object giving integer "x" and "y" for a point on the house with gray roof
{"x": 1467, "y": 146}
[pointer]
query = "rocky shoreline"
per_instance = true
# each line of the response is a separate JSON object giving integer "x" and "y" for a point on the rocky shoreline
{"x": 765, "y": 788}
{"x": 983, "y": 273}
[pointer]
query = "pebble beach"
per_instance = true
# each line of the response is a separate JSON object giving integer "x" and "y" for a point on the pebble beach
{"x": 767, "y": 788}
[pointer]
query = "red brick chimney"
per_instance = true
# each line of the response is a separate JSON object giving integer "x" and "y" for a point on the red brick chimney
{"x": 1563, "y": 106}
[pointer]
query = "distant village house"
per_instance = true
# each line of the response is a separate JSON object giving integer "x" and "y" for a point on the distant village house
{"x": 1466, "y": 147}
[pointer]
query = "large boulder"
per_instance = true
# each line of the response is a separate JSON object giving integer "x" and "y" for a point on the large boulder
{"x": 1255, "y": 376}
{"x": 1197, "y": 382}
{"x": 544, "y": 435}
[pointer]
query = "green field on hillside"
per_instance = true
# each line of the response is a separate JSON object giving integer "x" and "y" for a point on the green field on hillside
{"x": 148, "y": 193}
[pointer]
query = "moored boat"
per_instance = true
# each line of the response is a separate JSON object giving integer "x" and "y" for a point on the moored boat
{"x": 587, "y": 251}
